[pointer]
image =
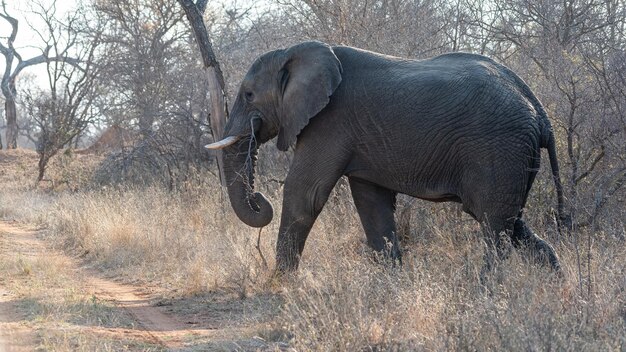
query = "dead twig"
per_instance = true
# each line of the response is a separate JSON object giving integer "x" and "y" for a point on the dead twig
{"x": 258, "y": 248}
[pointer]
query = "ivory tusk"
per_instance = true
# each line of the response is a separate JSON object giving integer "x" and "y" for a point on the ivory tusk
{"x": 223, "y": 143}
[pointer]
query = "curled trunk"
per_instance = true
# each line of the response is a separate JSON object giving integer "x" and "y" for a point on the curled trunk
{"x": 239, "y": 162}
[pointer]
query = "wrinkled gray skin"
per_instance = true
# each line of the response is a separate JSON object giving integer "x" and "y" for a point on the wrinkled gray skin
{"x": 458, "y": 127}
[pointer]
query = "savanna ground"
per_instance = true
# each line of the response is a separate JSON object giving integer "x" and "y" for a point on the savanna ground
{"x": 86, "y": 267}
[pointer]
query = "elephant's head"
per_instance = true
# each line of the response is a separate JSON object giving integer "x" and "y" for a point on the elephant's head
{"x": 280, "y": 93}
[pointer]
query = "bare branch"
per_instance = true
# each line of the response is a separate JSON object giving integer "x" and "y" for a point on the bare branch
{"x": 591, "y": 167}
{"x": 612, "y": 185}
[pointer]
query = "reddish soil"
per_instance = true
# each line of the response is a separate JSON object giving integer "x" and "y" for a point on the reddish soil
{"x": 153, "y": 323}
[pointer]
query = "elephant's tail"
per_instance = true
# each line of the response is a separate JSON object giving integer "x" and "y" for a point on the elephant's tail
{"x": 550, "y": 144}
{"x": 547, "y": 141}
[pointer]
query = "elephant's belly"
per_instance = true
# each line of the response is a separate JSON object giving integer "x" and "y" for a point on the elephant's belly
{"x": 412, "y": 185}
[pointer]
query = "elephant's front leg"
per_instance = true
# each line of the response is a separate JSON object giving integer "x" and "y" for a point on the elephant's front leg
{"x": 307, "y": 188}
{"x": 376, "y": 205}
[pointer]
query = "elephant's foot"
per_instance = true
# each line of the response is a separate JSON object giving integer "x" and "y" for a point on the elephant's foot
{"x": 387, "y": 252}
{"x": 287, "y": 261}
{"x": 540, "y": 250}
{"x": 546, "y": 253}
{"x": 278, "y": 278}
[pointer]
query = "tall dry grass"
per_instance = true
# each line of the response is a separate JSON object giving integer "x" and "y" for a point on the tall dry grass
{"x": 345, "y": 299}
{"x": 181, "y": 240}
{"x": 189, "y": 242}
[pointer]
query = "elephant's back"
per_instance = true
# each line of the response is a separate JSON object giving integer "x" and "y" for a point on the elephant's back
{"x": 457, "y": 94}
{"x": 435, "y": 86}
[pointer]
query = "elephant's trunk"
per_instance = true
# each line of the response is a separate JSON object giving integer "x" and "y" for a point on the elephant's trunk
{"x": 239, "y": 162}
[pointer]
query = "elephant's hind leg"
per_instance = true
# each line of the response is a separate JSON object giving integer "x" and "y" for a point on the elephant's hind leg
{"x": 524, "y": 237}
{"x": 521, "y": 237}
{"x": 496, "y": 231}
{"x": 376, "y": 206}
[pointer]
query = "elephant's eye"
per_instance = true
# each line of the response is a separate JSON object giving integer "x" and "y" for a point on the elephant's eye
{"x": 249, "y": 96}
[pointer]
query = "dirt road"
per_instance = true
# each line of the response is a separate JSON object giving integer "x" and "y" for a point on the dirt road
{"x": 150, "y": 325}
{"x": 15, "y": 335}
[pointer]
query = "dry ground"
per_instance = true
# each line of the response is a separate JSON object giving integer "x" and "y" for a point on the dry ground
{"x": 49, "y": 301}
{"x": 148, "y": 269}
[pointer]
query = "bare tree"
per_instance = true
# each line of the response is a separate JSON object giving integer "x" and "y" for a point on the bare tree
{"x": 215, "y": 78}
{"x": 143, "y": 44}
{"x": 65, "y": 109}
{"x": 155, "y": 86}
{"x": 14, "y": 64}
{"x": 406, "y": 28}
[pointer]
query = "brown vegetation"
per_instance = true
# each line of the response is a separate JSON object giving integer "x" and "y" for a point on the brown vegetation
{"x": 113, "y": 139}
{"x": 192, "y": 250}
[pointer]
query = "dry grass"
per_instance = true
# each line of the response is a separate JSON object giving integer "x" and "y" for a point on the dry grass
{"x": 344, "y": 301}
{"x": 433, "y": 303}
{"x": 190, "y": 243}
{"x": 181, "y": 240}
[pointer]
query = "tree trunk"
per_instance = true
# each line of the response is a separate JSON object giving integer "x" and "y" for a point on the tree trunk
{"x": 217, "y": 118}
{"x": 41, "y": 167}
{"x": 11, "y": 115}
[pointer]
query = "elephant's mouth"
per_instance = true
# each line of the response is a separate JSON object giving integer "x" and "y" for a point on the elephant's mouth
{"x": 256, "y": 123}
{"x": 261, "y": 129}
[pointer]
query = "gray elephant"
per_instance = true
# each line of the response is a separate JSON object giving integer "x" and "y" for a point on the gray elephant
{"x": 458, "y": 127}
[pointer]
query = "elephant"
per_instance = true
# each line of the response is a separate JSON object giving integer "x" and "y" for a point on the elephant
{"x": 458, "y": 127}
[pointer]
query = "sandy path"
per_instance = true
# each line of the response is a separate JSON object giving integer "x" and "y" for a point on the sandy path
{"x": 151, "y": 324}
{"x": 15, "y": 335}
{"x": 157, "y": 326}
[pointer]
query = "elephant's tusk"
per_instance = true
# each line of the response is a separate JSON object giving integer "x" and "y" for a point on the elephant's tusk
{"x": 223, "y": 143}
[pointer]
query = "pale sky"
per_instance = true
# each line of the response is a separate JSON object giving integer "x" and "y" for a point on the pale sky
{"x": 28, "y": 44}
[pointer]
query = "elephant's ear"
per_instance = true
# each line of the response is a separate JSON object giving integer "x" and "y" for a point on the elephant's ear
{"x": 309, "y": 77}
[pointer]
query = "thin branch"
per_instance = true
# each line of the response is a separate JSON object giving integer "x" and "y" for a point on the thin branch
{"x": 615, "y": 183}
{"x": 590, "y": 169}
